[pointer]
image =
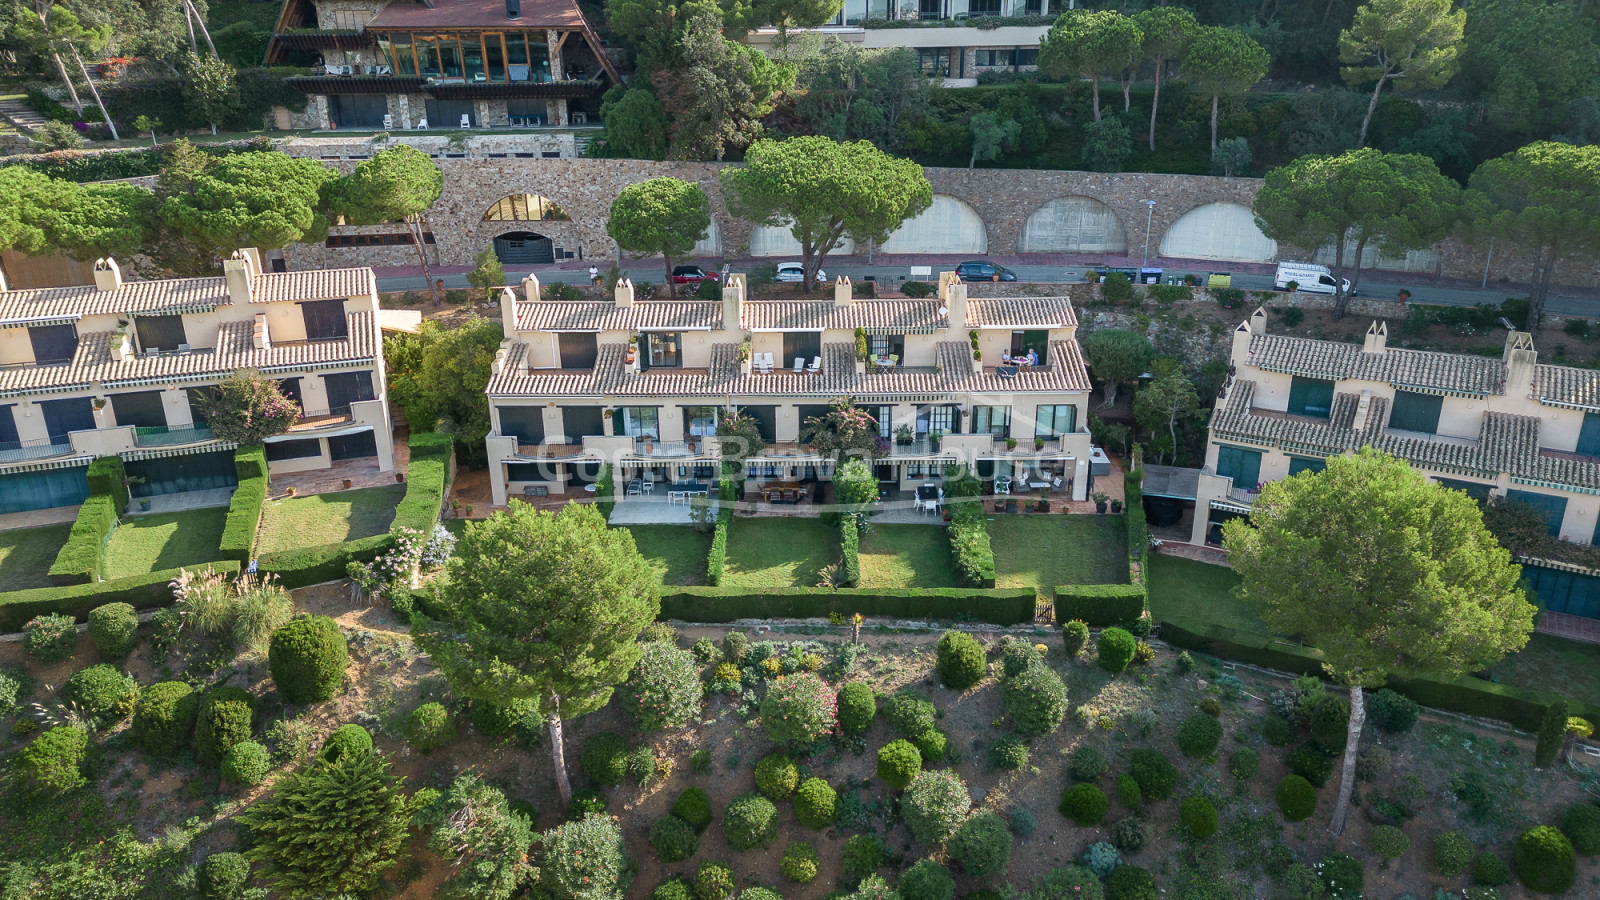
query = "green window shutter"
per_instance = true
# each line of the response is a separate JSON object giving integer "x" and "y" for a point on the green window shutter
{"x": 1298, "y": 464}
{"x": 1554, "y": 508}
{"x": 1589, "y": 436}
{"x": 1416, "y": 412}
{"x": 1310, "y": 397}
{"x": 1243, "y": 466}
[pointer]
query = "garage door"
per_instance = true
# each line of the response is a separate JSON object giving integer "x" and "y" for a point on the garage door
{"x": 524, "y": 248}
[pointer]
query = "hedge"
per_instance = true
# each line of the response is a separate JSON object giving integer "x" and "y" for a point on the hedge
{"x": 107, "y": 476}
{"x": 249, "y": 498}
{"x": 717, "y": 558}
{"x": 1004, "y": 606}
{"x": 1138, "y": 529}
{"x": 327, "y": 562}
{"x": 139, "y": 591}
{"x": 605, "y": 491}
{"x": 81, "y": 560}
{"x": 850, "y": 545}
{"x": 1100, "y": 604}
{"x": 969, "y": 545}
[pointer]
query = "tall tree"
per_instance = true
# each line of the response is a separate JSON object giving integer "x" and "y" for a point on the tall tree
{"x": 796, "y": 13}
{"x": 40, "y": 214}
{"x": 1414, "y": 43}
{"x": 660, "y": 215}
{"x": 213, "y": 87}
{"x": 992, "y": 134}
{"x": 1528, "y": 60}
{"x": 1165, "y": 33}
{"x": 1162, "y": 402}
{"x": 719, "y": 92}
{"x": 1544, "y": 198}
{"x": 399, "y": 184}
{"x": 265, "y": 200}
{"x": 636, "y": 125}
{"x": 437, "y": 376}
{"x": 1224, "y": 61}
{"x": 1399, "y": 201}
{"x": 1386, "y": 572}
{"x": 824, "y": 191}
{"x": 545, "y": 607}
{"x": 56, "y": 35}
{"x": 1116, "y": 355}
{"x": 1086, "y": 43}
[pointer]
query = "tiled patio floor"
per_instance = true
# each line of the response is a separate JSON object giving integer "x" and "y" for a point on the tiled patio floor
{"x": 363, "y": 473}
{"x": 1574, "y": 628}
{"x": 34, "y": 518}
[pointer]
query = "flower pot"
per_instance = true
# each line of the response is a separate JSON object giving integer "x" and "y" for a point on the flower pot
{"x": 1116, "y": 506}
{"x": 291, "y": 492}
{"x": 346, "y": 483}
{"x": 1044, "y": 506}
{"x": 400, "y": 477}
{"x": 144, "y": 504}
{"x": 1099, "y": 507}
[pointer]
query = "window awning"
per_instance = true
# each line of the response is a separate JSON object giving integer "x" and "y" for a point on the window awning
{"x": 186, "y": 450}
{"x": 32, "y": 321}
{"x": 47, "y": 464}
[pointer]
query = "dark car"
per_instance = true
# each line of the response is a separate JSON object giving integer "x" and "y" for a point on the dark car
{"x": 982, "y": 270}
{"x": 690, "y": 275}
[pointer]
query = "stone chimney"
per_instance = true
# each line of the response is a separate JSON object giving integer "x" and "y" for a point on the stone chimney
{"x": 946, "y": 279}
{"x": 258, "y": 333}
{"x": 1377, "y": 338}
{"x": 624, "y": 294}
{"x": 843, "y": 291}
{"x": 508, "y": 312}
{"x": 954, "y": 305}
{"x": 1256, "y": 324}
{"x": 1520, "y": 359}
{"x": 107, "y": 274}
{"x": 733, "y": 303}
{"x": 530, "y": 287}
{"x": 239, "y": 273}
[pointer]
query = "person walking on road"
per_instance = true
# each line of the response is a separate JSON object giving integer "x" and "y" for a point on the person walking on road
{"x": 594, "y": 275}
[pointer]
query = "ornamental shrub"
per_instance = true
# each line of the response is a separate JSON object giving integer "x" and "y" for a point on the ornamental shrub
{"x": 750, "y": 821}
{"x": 961, "y": 662}
{"x": 1128, "y": 793}
{"x": 1277, "y": 731}
{"x": 1392, "y": 712}
{"x": 935, "y": 805}
{"x": 1116, "y": 648}
{"x": 1009, "y": 754}
{"x": 862, "y": 856}
{"x": 50, "y": 638}
{"x": 53, "y": 763}
{"x": 777, "y": 776}
{"x": 102, "y": 692}
{"x": 759, "y": 893}
{"x": 1035, "y": 701}
{"x": 664, "y": 689}
{"x": 714, "y": 880}
{"x": 430, "y": 727}
{"x": 932, "y": 744}
{"x": 1017, "y": 655}
{"x": 1344, "y": 876}
{"x": 493, "y": 719}
{"x": 1132, "y": 883}
{"x": 800, "y": 862}
{"x": 673, "y": 839}
{"x": 307, "y": 658}
{"x": 1243, "y": 763}
{"x": 1156, "y": 774}
{"x": 223, "y": 876}
{"x": 927, "y": 880}
{"x": 735, "y": 646}
{"x": 1297, "y": 799}
{"x": 798, "y": 710}
{"x": 1023, "y": 824}
{"x": 1087, "y": 763}
{"x": 981, "y": 846}
{"x": 1581, "y": 825}
{"x": 1074, "y": 637}
{"x": 673, "y": 887}
{"x": 246, "y": 763}
{"x": 1102, "y": 859}
{"x": 706, "y": 651}
{"x": 583, "y": 860}
{"x": 1452, "y": 853}
{"x": 224, "y": 720}
{"x": 1085, "y": 804}
{"x": 114, "y": 629}
{"x": 1211, "y": 706}
{"x": 1490, "y": 870}
{"x": 605, "y": 758}
{"x": 1330, "y": 723}
{"x": 642, "y": 764}
{"x": 1130, "y": 834}
{"x": 1311, "y": 762}
{"x": 899, "y": 762}
{"x": 909, "y": 714}
{"x": 693, "y": 806}
{"x": 1199, "y": 815}
{"x": 816, "y": 804}
{"x": 1388, "y": 841}
{"x": 164, "y": 716}
{"x": 857, "y": 706}
{"x": 1199, "y": 736}
{"x": 346, "y": 739}
{"x": 1545, "y": 860}
{"x": 1069, "y": 883}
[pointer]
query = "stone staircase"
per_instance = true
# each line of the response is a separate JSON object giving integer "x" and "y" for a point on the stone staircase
{"x": 21, "y": 116}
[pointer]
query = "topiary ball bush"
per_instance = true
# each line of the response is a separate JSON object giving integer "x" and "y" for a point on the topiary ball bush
{"x": 1452, "y": 853}
{"x": 981, "y": 846}
{"x": 246, "y": 763}
{"x": 605, "y": 758}
{"x": 927, "y": 880}
{"x": 224, "y": 720}
{"x": 750, "y": 821}
{"x": 1388, "y": 841}
{"x": 1277, "y": 731}
{"x": 1132, "y": 883}
{"x": 1392, "y": 712}
{"x": 934, "y": 805}
{"x": 816, "y": 804}
{"x": 1490, "y": 870}
{"x": 899, "y": 763}
{"x": 673, "y": 888}
{"x": 1085, "y": 804}
{"x": 53, "y": 764}
{"x": 346, "y": 739}
{"x": 909, "y": 714}
{"x": 777, "y": 776}
{"x": 307, "y": 659}
{"x": 1128, "y": 793}
{"x": 1035, "y": 701}
{"x": 714, "y": 880}
{"x": 164, "y": 717}
{"x": 102, "y": 692}
{"x": 1344, "y": 876}
{"x": 857, "y": 707}
{"x": 800, "y": 862}
{"x": 960, "y": 661}
{"x": 1116, "y": 647}
{"x": 223, "y": 876}
{"x": 1199, "y": 736}
{"x": 862, "y": 855}
{"x": 1017, "y": 655}
{"x": 1199, "y": 816}
{"x": 673, "y": 839}
{"x": 1156, "y": 774}
{"x": 1243, "y": 763}
{"x": 50, "y": 638}
{"x": 1581, "y": 825}
{"x": 114, "y": 629}
{"x": 430, "y": 727}
{"x": 1311, "y": 762}
{"x": 1130, "y": 834}
{"x": 1009, "y": 754}
{"x": 1087, "y": 763}
{"x": 1297, "y": 799}
{"x": 932, "y": 744}
{"x": 1545, "y": 860}
{"x": 1074, "y": 637}
{"x": 693, "y": 806}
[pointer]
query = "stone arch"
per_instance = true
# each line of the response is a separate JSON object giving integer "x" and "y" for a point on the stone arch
{"x": 950, "y": 225}
{"x": 1075, "y": 224}
{"x": 1223, "y": 231}
{"x": 525, "y": 207}
{"x": 775, "y": 240}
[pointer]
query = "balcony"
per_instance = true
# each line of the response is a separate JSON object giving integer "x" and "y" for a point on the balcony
{"x": 655, "y": 449}
{"x": 23, "y": 451}
{"x": 164, "y": 436}
{"x": 917, "y": 448}
{"x": 313, "y": 419}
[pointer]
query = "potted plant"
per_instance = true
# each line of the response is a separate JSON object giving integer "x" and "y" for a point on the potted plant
{"x": 346, "y": 482}
{"x": 1011, "y": 443}
{"x": 1044, "y": 500}
{"x": 1100, "y": 502}
{"x": 1038, "y": 443}
{"x": 904, "y": 435}
{"x": 934, "y": 437}
{"x": 291, "y": 491}
{"x": 455, "y": 507}
{"x": 1405, "y": 295}
{"x": 1293, "y": 286}
{"x": 469, "y": 510}
{"x": 400, "y": 477}
{"x": 1116, "y": 506}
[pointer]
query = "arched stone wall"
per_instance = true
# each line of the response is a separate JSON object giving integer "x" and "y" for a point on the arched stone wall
{"x": 1073, "y": 225}
{"x": 950, "y": 225}
{"x": 1220, "y": 231}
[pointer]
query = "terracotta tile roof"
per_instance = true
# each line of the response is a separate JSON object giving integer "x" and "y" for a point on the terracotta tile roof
{"x": 604, "y": 315}
{"x": 898, "y": 316}
{"x": 1443, "y": 372}
{"x": 1564, "y": 385}
{"x": 182, "y": 294}
{"x": 1055, "y": 312}
{"x": 312, "y": 284}
{"x": 1236, "y": 420}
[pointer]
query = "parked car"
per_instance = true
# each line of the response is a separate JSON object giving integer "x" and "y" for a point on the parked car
{"x": 690, "y": 275}
{"x": 794, "y": 273}
{"x": 983, "y": 270}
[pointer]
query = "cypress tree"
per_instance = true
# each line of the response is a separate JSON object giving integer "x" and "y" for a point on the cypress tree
{"x": 1552, "y": 731}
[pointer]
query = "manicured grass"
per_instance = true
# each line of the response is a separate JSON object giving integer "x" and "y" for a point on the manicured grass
{"x": 1187, "y": 590}
{"x": 144, "y": 544}
{"x": 1554, "y": 664}
{"x": 1041, "y": 551}
{"x": 26, "y": 555}
{"x": 327, "y": 518}
{"x": 776, "y": 553}
{"x": 906, "y": 556}
{"x": 676, "y": 552}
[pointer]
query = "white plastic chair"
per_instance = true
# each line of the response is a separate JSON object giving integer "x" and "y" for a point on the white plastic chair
{"x": 388, "y": 122}
{"x": 466, "y": 121}
{"x": 816, "y": 365}
{"x": 422, "y": 125}
{"x": 649, "y": 486}
{"x": 799, "y": 364}
{"x": 1002, "y": 485}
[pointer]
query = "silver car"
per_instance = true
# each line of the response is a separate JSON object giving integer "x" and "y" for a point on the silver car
{"x": 794, "y": 273}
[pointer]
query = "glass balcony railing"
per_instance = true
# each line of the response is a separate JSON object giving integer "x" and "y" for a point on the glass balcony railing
{"x": 22, "y": 451}
{"x": 165, "y": 436}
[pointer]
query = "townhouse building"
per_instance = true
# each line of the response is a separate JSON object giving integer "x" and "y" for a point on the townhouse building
{"x": 642, "y": 384}
{"x": 114, "y": 368}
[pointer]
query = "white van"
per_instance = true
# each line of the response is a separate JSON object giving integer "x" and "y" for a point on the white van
{"x": 1312, "y": 278}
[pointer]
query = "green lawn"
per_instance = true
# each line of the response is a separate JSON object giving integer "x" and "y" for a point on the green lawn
{"x": 26, "y": 555}
{"x": 906, "y": 556}
{"x": 327, "y": 518}
{"x": 1183, "y": 589}
{"x": 676, "y": 552}
{"x": 1044, "y": 551}
{"x": 146, "y": 544}
{"x": 1554, "y": 664}
{"x": 775, "y": 553}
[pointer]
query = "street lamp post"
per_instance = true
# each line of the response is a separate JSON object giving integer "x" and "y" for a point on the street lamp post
{"x": 1150, "y": 210}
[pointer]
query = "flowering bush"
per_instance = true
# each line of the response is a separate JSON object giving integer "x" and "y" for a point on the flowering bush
{"x": 798, "y": 710}
{"x": 583, "y": 860}
{"x": 412, "y": 550}
{"x": 246, "y": 407}
{"x": 934, "y": 805}
{"x": 50, "y": 638}
{"x": 664, "y": 690}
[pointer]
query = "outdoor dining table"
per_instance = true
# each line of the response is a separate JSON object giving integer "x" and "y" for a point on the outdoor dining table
{"x": 927, "y": 496}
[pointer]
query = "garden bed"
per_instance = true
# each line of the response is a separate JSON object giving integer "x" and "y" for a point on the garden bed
{"x": 293, "y": 522}
{"x": 144, "y": 544}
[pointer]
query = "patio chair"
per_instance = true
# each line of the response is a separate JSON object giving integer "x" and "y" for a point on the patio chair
{"x": 422, "y": 125}
{"x": 790, "y": 497}
{"x": 649, "y": 486}
{"x": 1002, "y": 485}
{"x": 816, "y": 365}
{"x": 799, "y": 364}
{"x": 466, "y": 121}
{"x": 633, "y": 488}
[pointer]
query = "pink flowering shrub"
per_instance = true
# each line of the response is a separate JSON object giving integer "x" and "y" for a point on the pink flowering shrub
{"x": 664, "y": 690}
{"x": 584, "y": 860}
{"x": 799, "y": 710}
{"x": 246, "y": 407}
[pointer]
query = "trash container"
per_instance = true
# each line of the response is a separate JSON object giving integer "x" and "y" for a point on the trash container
{"x": 1149, "y": 276}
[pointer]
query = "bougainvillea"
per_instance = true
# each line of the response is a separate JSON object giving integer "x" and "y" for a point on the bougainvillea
{"x": 664, "y": 690}
{"x": 799, "y": 710}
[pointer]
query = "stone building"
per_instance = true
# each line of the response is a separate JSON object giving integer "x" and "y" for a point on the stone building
{"x": 114, "y": 368}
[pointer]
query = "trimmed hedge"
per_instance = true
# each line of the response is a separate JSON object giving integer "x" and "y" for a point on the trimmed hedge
{"x": 1138, "y": 530}
{"x": 850, "y": 545}
{"x": 970, "y": 548}
{"x": 326, "y": 562}
{"x": 998, "y": 606}
{"x": 717, "y": 559}
{"x": 249, "y": 498}
{"x": 108, "y": 477}
{"x": 1100, "y": 605}
{"x": 82, "y": 558}
{"x": 76, "y": 600}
